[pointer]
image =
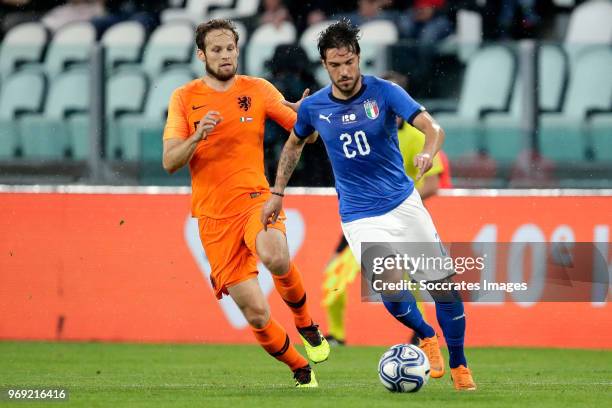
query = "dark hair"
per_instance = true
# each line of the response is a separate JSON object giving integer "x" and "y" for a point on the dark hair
{"x": 341, "y": 34}
{"x": 217, "y": 24}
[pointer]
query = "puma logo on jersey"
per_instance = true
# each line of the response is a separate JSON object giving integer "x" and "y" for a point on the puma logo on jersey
{"x": 323, "y": 117}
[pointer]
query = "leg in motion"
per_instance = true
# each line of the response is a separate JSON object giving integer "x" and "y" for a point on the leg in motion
{"x": 403, "y": 307}
{"x": 268, "y": 332}
{"x": 271, "y": 247}
{"x": 451, "y": 317}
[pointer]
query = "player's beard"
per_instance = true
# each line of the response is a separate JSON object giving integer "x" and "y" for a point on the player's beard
{"x": 218, "y": 75}
{"x": 348, "y": 87}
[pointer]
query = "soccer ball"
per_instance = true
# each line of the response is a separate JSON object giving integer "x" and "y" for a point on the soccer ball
{"x": 403, "y": 368}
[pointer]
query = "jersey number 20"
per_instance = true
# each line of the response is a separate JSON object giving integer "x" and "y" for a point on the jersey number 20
{"x": 360, "y": 140}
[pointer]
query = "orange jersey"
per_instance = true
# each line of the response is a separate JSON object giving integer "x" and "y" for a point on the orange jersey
{"x": 227, "y": 169}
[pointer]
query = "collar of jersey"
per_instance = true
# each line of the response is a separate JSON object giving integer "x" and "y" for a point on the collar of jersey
{"x": 352, "y": 98}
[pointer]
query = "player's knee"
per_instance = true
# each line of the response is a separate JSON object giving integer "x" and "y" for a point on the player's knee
{"x": 277, "y": 262}
{"x": 257, "y": 316}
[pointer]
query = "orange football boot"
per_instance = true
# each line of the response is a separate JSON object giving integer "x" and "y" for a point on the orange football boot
{"x": 432, "y": 350}
{"x": 462, "y": 378}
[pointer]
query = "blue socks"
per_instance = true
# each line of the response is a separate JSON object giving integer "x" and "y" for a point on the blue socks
{"x": 404, "y": 309}
{"x": 452, "y": 321}
{"x": 451, "y": 318}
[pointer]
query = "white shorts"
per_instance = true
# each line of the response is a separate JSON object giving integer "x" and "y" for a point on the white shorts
{"x": 408, "y": 222}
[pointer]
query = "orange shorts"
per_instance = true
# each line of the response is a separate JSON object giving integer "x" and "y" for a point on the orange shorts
{"x": 229, "y": 244}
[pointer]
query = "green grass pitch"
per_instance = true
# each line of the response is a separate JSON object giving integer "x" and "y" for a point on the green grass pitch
{"x": 232, "y": 376}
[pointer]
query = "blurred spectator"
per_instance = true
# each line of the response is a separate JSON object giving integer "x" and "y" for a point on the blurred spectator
{"x": 509, "y": 8}
{"x": 292, "y": 73}
{"x": 70, "y": 12}
{"x": 116, "y": 11}
{"x": 427, "y": 21}
{"x": 274, "y": 12}
{"x": 14, "y": 12}
{"x": 368, "y": 10}
{"x": 306, "y": 13}
{"x": 509, "y": 19}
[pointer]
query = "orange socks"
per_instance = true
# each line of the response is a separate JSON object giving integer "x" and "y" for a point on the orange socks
{"x": 274, "y": 339}
{"x": 292, "y": 291}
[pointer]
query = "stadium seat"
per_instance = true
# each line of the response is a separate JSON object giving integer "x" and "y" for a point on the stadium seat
{"x": 123, "y": 43}
{"x": 197, "y": 66}
{"x": 130, "y": 126}
{"x": 375, "y": 37}
{"x": 242, "y": 33}
{"x": 503, "y": 135}
{"x": 589, "y": 25}
{"x": 242, "y": 9}
{"x": 308, "y": 41}
{"x": 564, "y": 3}
{"x": 467, "y": 37}
{"x": 263, "y": 43}
{"x": 195, "y": 11}
{"x": 170, "y": 43}
{"x": 487, "y": 85}
{"x": 562, "y": 139}
{"x": 21, "y": 92}
{"x": 553, "y": 73}
{"x": 126, "y": 95}
{"x": 562, "y": 136}
{"x": 47, "y": 135}
{"x": 24, "y": 43}
{"x": 601, "y": 135}
{"x": 70, "y": 44}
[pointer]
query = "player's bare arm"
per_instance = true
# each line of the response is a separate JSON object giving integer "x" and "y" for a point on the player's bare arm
{"x": 289, "y": 158}
{"x": 295, "y": 106}
{"x": 178, "y": 152}
{"x": 434, "y": 138}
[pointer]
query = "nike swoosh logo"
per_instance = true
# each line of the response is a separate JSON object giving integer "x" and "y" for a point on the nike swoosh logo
{"x": 197, "y": 107}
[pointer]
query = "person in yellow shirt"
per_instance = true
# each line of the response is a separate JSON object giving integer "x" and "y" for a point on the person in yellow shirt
{"x": 411, "y": 142}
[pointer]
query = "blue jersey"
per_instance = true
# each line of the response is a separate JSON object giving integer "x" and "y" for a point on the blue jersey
{"x": 360, "y": 135}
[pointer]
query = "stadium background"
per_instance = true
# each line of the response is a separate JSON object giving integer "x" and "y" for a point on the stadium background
{"x": 94, "y": 247}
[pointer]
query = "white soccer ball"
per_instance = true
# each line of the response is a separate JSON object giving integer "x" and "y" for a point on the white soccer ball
{"x": 403, "y": 368}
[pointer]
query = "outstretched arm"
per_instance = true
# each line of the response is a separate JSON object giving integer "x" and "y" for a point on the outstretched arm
{"x": 290, "y": 156}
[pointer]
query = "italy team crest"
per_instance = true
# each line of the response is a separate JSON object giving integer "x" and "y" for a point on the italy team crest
{"x": 371, "y": 108}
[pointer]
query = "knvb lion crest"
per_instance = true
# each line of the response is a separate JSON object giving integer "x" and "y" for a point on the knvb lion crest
{"x": 244, "y": 102}
{"x": 371, "y": 108}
